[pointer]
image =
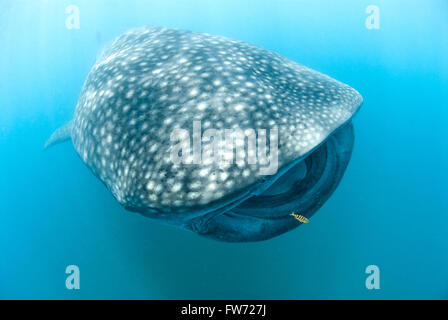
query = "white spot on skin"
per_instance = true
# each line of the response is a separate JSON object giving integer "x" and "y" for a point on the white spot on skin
{"x": 194, "y": 92}
{"x": 150, "y": 185}
{"x": 129, "y": 94}
{"x": 239, "y": 107}
{"x": 202, "y": 106}
{"x": 176, "y": 187}
{"x": 223, "y": 176}
{"x": 203, "y": 172}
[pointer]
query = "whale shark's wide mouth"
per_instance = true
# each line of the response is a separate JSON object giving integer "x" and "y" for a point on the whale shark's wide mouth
{"x": 302, "y": 189}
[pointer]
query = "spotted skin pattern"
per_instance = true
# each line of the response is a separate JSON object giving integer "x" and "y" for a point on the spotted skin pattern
{"x": 150, "y": 81}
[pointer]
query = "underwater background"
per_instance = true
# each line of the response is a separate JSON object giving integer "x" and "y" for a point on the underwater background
{"x": 390, "y": 210}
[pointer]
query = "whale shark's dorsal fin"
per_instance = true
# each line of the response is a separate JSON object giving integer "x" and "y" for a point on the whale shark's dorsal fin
{"x": 62, "y": 134}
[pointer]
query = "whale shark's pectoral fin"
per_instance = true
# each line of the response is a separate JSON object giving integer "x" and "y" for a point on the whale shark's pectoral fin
{"x": 62, "y": 134}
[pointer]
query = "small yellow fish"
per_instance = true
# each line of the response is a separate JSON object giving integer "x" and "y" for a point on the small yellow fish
{"x": 300, "y": 217}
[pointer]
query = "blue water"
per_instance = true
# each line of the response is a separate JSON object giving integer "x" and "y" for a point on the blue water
{"x": 391, "y": 209}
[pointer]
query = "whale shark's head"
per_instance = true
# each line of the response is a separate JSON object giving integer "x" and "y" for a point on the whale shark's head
{"x": 213, "y": 135}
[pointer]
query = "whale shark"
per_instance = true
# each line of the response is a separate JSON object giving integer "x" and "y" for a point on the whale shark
{"x": 153, "y": 92}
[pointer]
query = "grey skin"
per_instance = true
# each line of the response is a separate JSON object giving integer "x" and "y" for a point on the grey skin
{"x": 150, "y": 81}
